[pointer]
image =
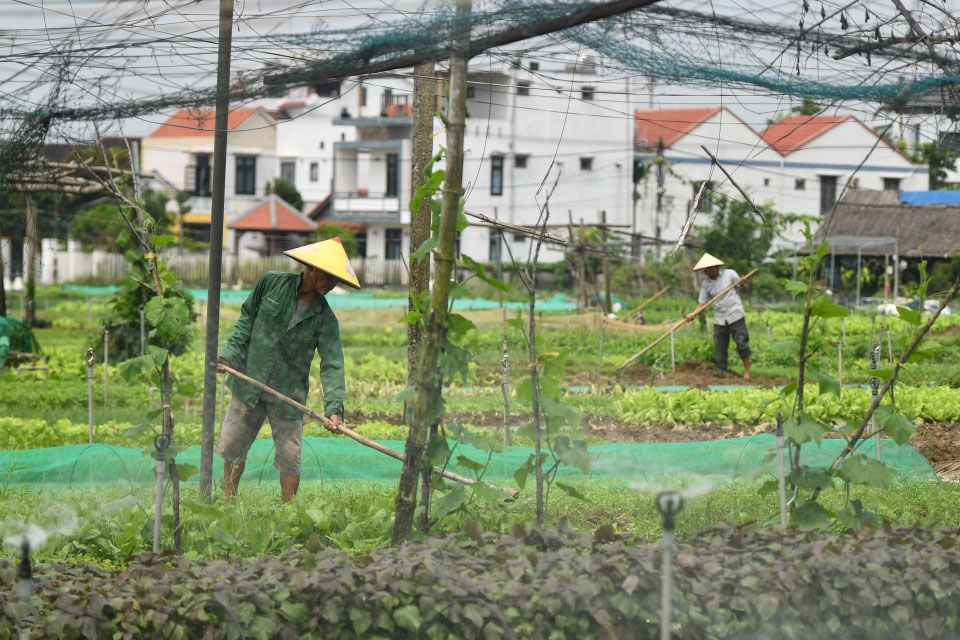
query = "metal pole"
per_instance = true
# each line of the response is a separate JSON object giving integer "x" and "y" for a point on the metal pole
{"x": 143, "y": 333}
{"x": 505, "y": 385}
{"x": 89, "y": 312}
{"x": 781, "y": 476}
{"x": 874, "y": 392}
{"x": 840, "y": 360}
{"x": 90, "y": 358}
{"x": 669, "y": 504}
{"x": 160, "y": 442}
{"x": 889, "y": 346}
{"x": 106, "y": 363}
{"x": 216, "y": 249}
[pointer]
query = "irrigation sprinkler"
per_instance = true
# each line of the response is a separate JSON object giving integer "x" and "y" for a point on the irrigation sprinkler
{"x": 161, "y": 442}
{"x": 90, "y": 358}
{"x": 603, "y": 326}
{"x": 781, "y": 476}
{"x": 143, "y": 333}
{"x": 106, "y": 361}
{"x": 25, "y": 572}
{"x": 669, "y": 503}
{"x": 505, "y": 386}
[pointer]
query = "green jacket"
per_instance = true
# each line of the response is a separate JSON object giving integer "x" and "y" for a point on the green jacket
{"x": 260, "y": 341}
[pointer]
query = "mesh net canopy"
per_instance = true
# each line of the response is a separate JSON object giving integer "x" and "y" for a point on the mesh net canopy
{"x": 332, "y": 459}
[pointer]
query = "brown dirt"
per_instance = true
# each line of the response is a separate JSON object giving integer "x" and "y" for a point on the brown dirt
{"x": 699, "y": 375}
{"x": 939, "y": 443}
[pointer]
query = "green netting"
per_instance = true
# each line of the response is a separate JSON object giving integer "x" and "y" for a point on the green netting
{"x": 15, "y": 336}
{"x": 332, "y": 459}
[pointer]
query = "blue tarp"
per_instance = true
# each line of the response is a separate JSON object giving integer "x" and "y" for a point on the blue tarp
{"x": 930, "y": 197}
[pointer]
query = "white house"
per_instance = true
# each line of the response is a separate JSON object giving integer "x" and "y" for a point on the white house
{"x": 798, "y": 165}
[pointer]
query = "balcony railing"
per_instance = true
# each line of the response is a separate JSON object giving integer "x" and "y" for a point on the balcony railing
{"x": 392, "y": 106}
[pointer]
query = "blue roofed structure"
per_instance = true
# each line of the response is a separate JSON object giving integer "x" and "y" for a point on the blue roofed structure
{"x": 930, "y": 197}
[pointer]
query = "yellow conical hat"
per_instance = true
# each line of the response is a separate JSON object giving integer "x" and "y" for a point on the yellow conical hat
{"x": 707, "y": 261}
{"x": 327, "y": 256}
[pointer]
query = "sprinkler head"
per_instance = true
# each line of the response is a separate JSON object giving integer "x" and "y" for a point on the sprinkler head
{"x": 669, "y": 503}
{"x": 24, "y": 569}
{"x": 89, "y": 357}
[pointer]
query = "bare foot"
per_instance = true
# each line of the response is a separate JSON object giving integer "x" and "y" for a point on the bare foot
{"x": 746, "y": 375}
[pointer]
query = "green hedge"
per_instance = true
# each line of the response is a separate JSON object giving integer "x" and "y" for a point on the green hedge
{"x": 731, "y": 583}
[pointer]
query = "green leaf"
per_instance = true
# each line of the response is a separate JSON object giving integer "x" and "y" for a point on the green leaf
{"x": 810, "y": 478}
{"x": 472, "y": 465}
{"x": 516, "y": 323}
{"x": 928, "y": 352}
{"x": 450, "y": 501}
{"x": 481, "y": 273}
{"x": 487, "y": 493}
{"x": 574, "y": 454}
{"x": 822, "y": 250}
{"x": 559, "y": 414}
{"x": 139, "y": 429}
{"x": 425, "y": 247}
{"x": 769, "y": 487}
{"x": 408, "y": 618}
{"x": 570, "y": 491}
{"x": 910, "y": 315}
{"x": 823, "y": 308}
{"x": 466, "y": 436}
{"x": 524, "y": 391}
{"x": 161, "y": 240}
{"x": 805, "y": 430}
{"x": 408, "y": 393}
{"x": 459, "y": 325}
{"x": 893, "y": 424}
{"x": 412, "y": 318}
{"x": 828, "y": 384}
{"x": 854, "y": 516}
{"x": 169, "y": 316}
{"x": 360, "y": 619}
{"x": 794, "y": 287}
{"x": 811, "y": 515}
{"x": 437, "y": 451}
{"x": 861, "y": 469}
{"x": 153, "y": 359}
{"x": 295, "y": 611}
{"x": 186, "y": 471}
{"x": 520, "y": 475}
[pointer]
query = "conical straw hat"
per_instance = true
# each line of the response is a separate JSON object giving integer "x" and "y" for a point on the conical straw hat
{"x": 327, "y": 256}
{"x": 707, "y": 261}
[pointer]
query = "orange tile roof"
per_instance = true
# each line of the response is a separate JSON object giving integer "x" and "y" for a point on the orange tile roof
{"x": 669, "y": 124}
{"x": 791, "y": 133}
{"x": 274, "y": 214}
{"x": 192, "y": 123}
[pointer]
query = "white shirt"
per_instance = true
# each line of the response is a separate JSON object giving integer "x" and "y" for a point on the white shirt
{"x": 729, "y": 308}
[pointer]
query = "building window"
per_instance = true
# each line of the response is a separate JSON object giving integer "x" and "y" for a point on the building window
{"x": 534, "y": 66}
{"x": 520, "y": 161}
{"x": 586, "y": 93}
{"x": 496, "y": 175}
{"x": 828, "y": 193}
{"x": 246, "y": 180}
{"x": 363, "y": 96}
{"x": 201, "y": 176}
{"x": 394, "y": 241}
{"x": 586, "y": 164}
{"x": 766, "y": 182}
{"x": 523, "y": 88}
{"x": 328, "y": 89}
{"x": 891, "y": 184}
{"x": 800, "y": 184}
{"x": 706, "y": 201}
{"x": 494, "y": 246}
{"x": 288, "y": 171}
{"x": 471, "y": 92}
{"x": 392, "y": 174}
{"x": 314, "y": 171}
{"x": 361, "y": 237}
{"x": 518, "y": 237}
{"x": 321, "y": 145}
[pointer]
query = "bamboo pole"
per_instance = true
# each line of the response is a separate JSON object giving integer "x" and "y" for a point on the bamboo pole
{"x": 373, "y": 444}
{"x": 647, "y": 301}
{"x": 674, "y": 327}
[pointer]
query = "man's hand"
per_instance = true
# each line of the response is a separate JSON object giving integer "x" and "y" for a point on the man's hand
{"x": 690, "y": 316}
{"x": 333, "y": 423}
{"x": 221, "y": 362}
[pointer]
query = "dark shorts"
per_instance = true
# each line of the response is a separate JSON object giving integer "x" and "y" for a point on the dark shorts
{"x": 721, "y": 341}
{"x": 240, "y": 429}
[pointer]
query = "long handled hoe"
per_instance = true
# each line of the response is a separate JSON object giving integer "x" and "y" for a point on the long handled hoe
{"x": 373, "y": 444}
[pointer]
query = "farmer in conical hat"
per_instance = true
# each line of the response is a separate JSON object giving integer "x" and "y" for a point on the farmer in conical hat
{"x": 283, "y": 320}
{"x": 728, "y": 315}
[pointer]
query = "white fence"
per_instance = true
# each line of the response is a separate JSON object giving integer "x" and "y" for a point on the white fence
{"x": 57, "y": 263}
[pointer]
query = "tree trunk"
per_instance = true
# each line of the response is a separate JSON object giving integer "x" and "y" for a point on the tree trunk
{"x": 423, "y": 110}
{"x": 3, "y": 291}
{"x": 436, "y": 326}
{"x": 30, "y": 317}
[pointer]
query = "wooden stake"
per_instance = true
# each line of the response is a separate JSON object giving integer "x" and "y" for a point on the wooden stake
{"x": 647, "y": 301}
{"x": 674, "y": 327}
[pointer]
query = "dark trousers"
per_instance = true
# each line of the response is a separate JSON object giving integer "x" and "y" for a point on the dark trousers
{"x": 721, "y": 341}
